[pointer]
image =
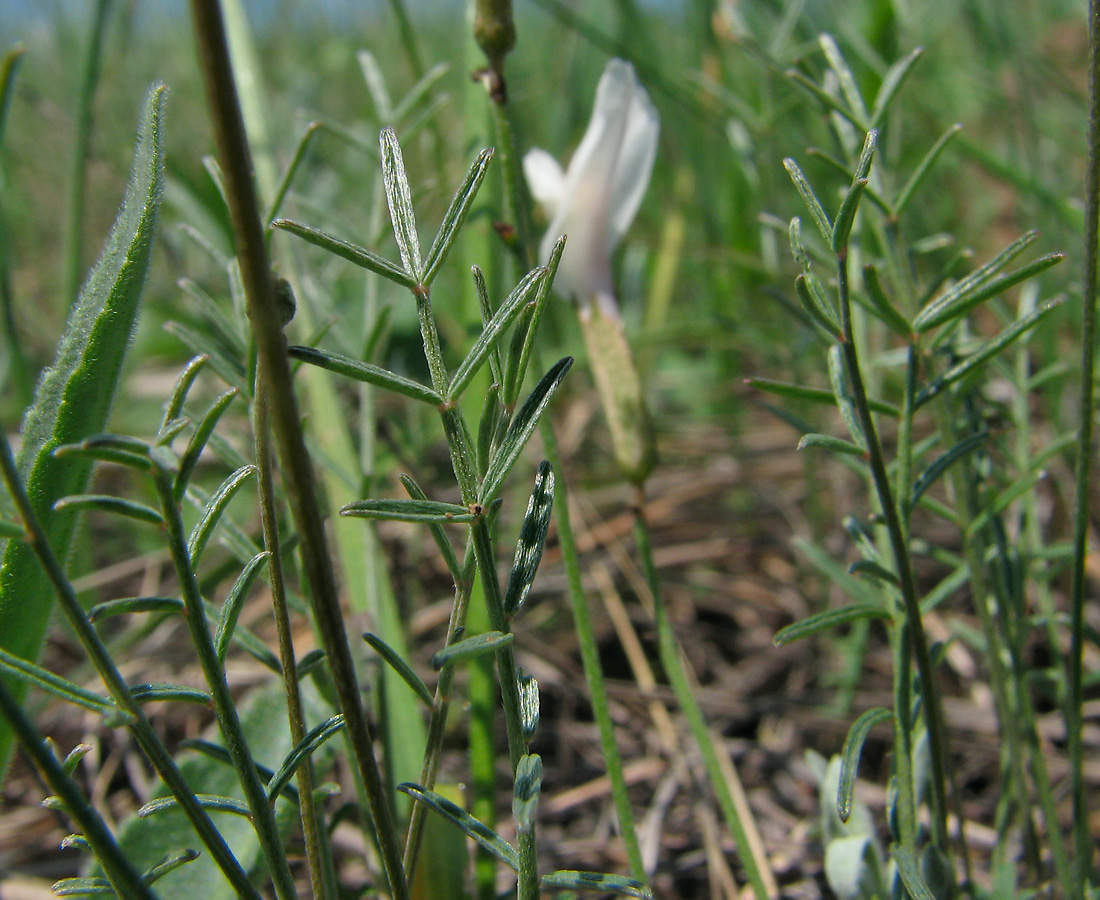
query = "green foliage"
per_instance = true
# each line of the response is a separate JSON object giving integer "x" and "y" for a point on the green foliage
{"x": 74, "y": 396}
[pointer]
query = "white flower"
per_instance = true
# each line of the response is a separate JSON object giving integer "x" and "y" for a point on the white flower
{"x": 595, "y": 201}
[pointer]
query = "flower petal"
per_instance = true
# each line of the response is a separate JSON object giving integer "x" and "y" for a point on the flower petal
{"x": 635, "y": 164}
{"x": 546, "y": 179}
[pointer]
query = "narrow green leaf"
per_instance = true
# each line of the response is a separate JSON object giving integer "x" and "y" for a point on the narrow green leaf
{"x": 125, "y": 605}
{"x": 815, "y": 441}
{"x": 212, "y": 513}
{"x": 234, "y": 602}
{"x": 532, "y": 538}
{"x": 409, "y": 511}
{"x": 309, "y": 663}
{"x": 822, "y": 309}
{"x": 470, "y": 648}
{"x": 247, "y": 640}
{"x": 891, "y": 83}
{"x": 365, "y": 372}
{"x": 817, "y": 211}
{"x": 844, "y": 76}
{"x": 110, "y": 451}
{"x": 485, "y": 308}
{"x": 118, "y": 506}
{"x": 875, "y": 570}
{"x": 830, "y": 618}
{"x": 814, "y": 395}
{"x": 229, "y": 368}
{"x": 523, "y": 424}
{"x": 570, "y": 880}
{"x": 528, "y": 788}
{"x": 399, "y": 200}
{"x": 456, "y": 215}
{"x": 493, "y": 331}
{"x": 439, "y": 534}
{"x": 483, "y": 834}
{"x": 824, "y": 97}
{"x": 850, "y": 756}
{"x": 353, "y": 253}
{"x": 197, "y": 444}
{"x": 923, "y": 168}
{"x": 858, "y": 590}
{"x": 150, "y": 693}
{"x": 524, "y": 338}
{"x": 987, "y": 351}
{"x": 845, "y": 399}
{"x": 889, "y": 315}
{"x": 942, "y": 463}
{"x": 225, "y": 328}
{"x": 88, "y": 887}
{"x": 170, "y": 863}
{"x": 807, "y": 290}
{"x": 419, "y": 92}
{"x": 910, "y": 874}
{"x": 218, "y": 753}
{"x": 74, "y": 396}
{"x": 490, "y": 425}
{"x": 401, "y": 667}
{"x": 295, "y": 161}
{"x": 846, "y": 216}
{"x": 210, "y": 802}
{"x": 28, "y": 673}
{"x": 316, "y": 736}
{"x": 955, "y": 303}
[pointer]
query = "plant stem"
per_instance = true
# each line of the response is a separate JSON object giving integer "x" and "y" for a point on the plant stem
{"x": 74, "y": 222}
{"x": 320, "y": 869}
{"x": 1074, "y": 698}
{"x": 296, "y": 463}
{"x": 590, "y": 658}
{"x": 441, "y": 704}
{"x": 124, "y": 878}
{"x": 143, "y": 732}
{"x": 900, "y": 546}
{"x": 262, "y": 813}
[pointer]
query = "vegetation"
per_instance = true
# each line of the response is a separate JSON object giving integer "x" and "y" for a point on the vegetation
{"x": 343, "y": 468}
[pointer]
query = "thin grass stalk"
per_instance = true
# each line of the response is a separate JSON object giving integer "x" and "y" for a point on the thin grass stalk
{"x": 296, "y": 464}
{"x": 78, "y": 163}
{"x": 262, "y": 814}
{"x": 590, "y": 659}
{"x": 910, "y": 601}
{"x": 675, "y": 669}
{"x": 321, "y": 874}
{"x": 1074, "y": 699}
{"x": 147, "y": 738}
{"x": 121, "y": 874}
{"x": 441, "y": 704}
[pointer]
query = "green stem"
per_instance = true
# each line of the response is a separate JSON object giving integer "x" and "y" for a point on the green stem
{"x": 896, "y": 531}
{"x": 124, "y": 878}
{"x": 296, "y": 463}
{"x": 262, "y": 813}
{"x": 506, "y": 658}
{"x": 319, "y": 872}
{"x": 143, "y": 732}
{"x": 676, "y": 670}
{"x": 89, "y": 78}
{"x": 590, "y": 658}
{"x": 441, "y": 704}
{"x": 1074, "y": 699}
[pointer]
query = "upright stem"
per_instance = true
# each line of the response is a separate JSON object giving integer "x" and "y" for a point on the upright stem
{"x": 900, "y": 546}
{"x": 262, "y": 813}
{"x": 1075, "y": 676}
{"x": 311, "y": 828}
{"x": 142, "y": 730}
{"x": 120, "y": 872}
{"x": 89, "y": 78}
{"x": 297, "y": 467}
